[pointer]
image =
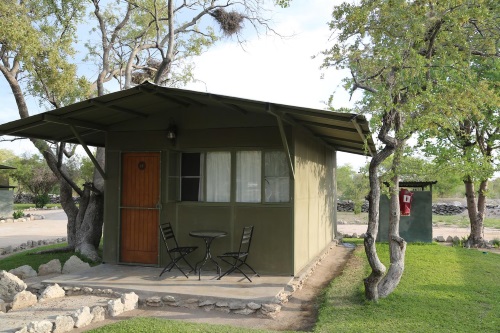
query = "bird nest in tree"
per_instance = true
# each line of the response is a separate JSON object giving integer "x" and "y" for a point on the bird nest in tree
{"x": 148, "y": 72}
{"x": 230, "y": 22}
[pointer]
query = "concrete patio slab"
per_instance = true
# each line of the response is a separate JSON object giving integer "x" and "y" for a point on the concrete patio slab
{"x": 145, "y": 282}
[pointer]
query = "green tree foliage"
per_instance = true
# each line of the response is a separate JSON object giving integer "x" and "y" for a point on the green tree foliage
{"x": 132, "y": 41}
{"x": 495, "y": 188}
{"x": 352, "y": 185}
{"x": 37, "y": 46}
{"x": 34, "y": 176}
{"x": 414, "y": 63}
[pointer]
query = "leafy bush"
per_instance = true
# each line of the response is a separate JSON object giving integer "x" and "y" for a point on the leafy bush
{"x": 496, "y": 242}
{"x": 42, "y": 200}
{"x": 18, "y": 214}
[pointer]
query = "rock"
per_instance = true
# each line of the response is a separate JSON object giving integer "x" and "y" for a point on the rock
{"x": 82, "y": 317}
{"x": 23, "y": 329}
{"x": 245, "y": 311}
{"x": 23, "y": 272}
{"x": 222, "y": 304}
{"x": 52, "y": 267}
{"x": 154, "y": 301}
{"x": 36, "y": 288}
{"x": 53, "y": 291}
{"x": 440, "y": 239}
{"x": 168, "y": 298}
{"x": 43, "y": 326}
{"x": 236, "y": 306}
{"x": 10, "y": 285}
{"x": 3, "y": 306}
{"x": 222, "y": 309}
{"x": 98, "y": 313}
{"x": 270, "y": 310}
{"x": 63, "y": 324}
{"x": 87, "y": 290}
{"x": 73, "y": 265}
{"x": 206, "y": 303}
{"x": 23, "y": 300}
{"x": 254, "y": 306}
{"x": 115, "y": 307}
{"x": 130, "y": 301}
{"x": 449, "y": 239}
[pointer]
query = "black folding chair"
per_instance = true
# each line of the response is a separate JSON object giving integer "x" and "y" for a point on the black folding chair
{"x": 175, "y": 252}
{"x": 238, "y": 259}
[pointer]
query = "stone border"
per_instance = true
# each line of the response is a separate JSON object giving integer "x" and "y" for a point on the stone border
{"x": 31, "y": 244}
{"x": 117, "y": 302}
{"x": 298, "y": 281}
{"x": 85, "y": 315}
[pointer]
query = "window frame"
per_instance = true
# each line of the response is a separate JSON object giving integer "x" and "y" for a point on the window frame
{"x": 232, "y": 178}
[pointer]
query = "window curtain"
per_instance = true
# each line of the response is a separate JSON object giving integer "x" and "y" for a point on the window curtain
{"x": 202, "y": 177}
{"x": 277, "y": 179}
{"x": 248, "y": 176}
{"x": 218, "y": 176}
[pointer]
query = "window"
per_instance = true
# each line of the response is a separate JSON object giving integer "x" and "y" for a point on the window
{"x": 276, "y": 177}
{"x": 248, "y": 176}
{"x": 207, "y": 177}
{"x": 191, "y": 177}
{"x": 216, "y": 178}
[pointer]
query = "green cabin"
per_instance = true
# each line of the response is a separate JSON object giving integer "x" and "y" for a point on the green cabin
{"x": 206, "y": 161}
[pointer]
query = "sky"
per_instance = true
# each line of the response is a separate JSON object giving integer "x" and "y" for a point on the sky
{"x": 267, "y": 68}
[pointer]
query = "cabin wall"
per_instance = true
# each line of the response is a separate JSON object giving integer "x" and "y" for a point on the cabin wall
{"x": 315, "y": 198}
{"x": 272, "y": 245}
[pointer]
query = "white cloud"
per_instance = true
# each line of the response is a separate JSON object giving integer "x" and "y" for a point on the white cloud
{"x": 279, "y": 70}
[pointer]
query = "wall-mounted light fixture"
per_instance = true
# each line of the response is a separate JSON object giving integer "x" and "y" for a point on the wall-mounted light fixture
{"x": 172, "y": 132}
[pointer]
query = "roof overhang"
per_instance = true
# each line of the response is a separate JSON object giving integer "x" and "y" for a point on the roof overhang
{"x": 90, "y": 120}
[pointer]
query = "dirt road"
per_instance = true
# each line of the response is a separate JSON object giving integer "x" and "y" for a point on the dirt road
{"x": 52, "y": 226}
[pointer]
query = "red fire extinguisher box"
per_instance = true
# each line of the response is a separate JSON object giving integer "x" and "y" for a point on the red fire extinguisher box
{"x": 415, "y": 200}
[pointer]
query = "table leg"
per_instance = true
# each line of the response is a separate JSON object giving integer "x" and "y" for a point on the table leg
{"x": 208, "y": 256}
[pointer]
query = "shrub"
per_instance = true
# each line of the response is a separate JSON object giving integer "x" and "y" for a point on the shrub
{"x": 42, "y": 200}
{"x": 496, "y": 242}
{"x": 18, "y": 214}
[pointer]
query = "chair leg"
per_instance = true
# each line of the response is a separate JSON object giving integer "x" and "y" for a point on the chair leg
{"x": 236, "y": 266}
{"x": 170, "y": 264}
{"x": 251, "y": 269}
{"x": 174, "y": 263}
{"x": 187, "y": 262}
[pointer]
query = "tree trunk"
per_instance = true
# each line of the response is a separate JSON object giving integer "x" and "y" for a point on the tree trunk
{"x": 91, "y": 214}
{"x": 397, "y": 245}
{"x": 476, "y": 211}
{"x": 85, "y": 222}
{"x": 378, "y": 269}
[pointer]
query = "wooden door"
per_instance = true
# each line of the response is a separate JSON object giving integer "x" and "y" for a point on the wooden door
{"x": 140, "y": 207}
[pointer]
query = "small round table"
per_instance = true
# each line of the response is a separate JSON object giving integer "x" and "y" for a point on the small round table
{"x": 208, "y": 236}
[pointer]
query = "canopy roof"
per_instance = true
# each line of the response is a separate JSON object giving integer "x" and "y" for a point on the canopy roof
{"x": 88, "y": 121}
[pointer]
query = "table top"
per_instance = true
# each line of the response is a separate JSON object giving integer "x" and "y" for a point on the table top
{"x": 208, "y": 233}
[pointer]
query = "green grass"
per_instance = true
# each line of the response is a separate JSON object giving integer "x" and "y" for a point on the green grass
{"x": 457, "y": 220}
{"x": 443, "y": 289}
{"x": 27, "y": 206}
{"x": 146, "y": 325}
{"x": 463, "y": 221}
{"x": 35, "y": 260}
